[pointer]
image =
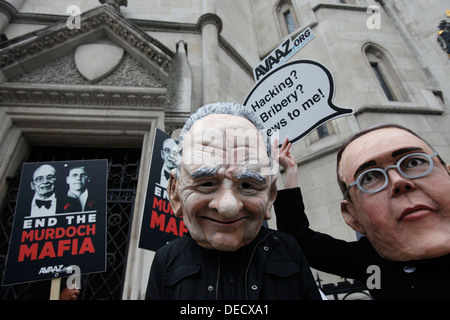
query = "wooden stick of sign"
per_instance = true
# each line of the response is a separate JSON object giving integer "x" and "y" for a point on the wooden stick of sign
{"x": 55, "y": 289}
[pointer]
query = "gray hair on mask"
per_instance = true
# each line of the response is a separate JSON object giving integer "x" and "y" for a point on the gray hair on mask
{"x": 222, "y": 108}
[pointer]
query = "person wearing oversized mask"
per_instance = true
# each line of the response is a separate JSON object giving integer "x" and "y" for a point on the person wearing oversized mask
{"x": 396, "y": 191}
{"x": 223, "y": 188}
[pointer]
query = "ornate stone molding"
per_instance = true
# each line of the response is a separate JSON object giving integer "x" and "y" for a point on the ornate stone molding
{"x": 81, "y": 95}
{"x": 63, "y": 70}
{"x": 101, "y": 17}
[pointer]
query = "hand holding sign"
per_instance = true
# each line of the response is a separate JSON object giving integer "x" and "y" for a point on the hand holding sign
{"x": 295, "y": 99}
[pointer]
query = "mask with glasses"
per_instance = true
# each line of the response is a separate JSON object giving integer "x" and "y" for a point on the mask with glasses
{"x": 412, "y": 166}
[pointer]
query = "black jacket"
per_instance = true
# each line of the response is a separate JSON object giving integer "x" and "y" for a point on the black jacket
{"x": 271, "y": 267}
{"x": 424, "y": 279}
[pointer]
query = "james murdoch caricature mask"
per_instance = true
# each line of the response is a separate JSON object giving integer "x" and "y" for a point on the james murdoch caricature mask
{"x": 224, "y": 189}
{"x": 406, "y": 216}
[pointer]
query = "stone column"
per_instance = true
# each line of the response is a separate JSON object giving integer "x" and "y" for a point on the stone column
{"x": 211, "y": 26}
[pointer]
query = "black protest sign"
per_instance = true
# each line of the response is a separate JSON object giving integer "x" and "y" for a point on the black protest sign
{"x": 295, "y": 99}
{"x": 159, "y": 225}
{"x": 59, "y": 222}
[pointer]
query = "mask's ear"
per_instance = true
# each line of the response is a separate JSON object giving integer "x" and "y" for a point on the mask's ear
{"x": 272, "y": 197}
{"x": 349, "y": 213}
{"x": 174, "y": 198}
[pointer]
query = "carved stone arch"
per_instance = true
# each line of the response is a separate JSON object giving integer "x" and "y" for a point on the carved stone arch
{"x": 376, "y": 49}
{"x": 32, "y": 50}
{"x": 281, "y": 7}
{"x": 81, "y": 114}
{"x": 383, "y": 65}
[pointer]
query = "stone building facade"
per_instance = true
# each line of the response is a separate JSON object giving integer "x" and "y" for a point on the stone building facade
{"x": 86, "y": 77}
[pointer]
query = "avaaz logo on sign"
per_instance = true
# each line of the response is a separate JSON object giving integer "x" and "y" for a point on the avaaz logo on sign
{"x": 282, "y": 53}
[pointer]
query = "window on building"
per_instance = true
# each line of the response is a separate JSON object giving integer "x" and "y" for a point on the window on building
{"x": 385, "y": 74}
{"x": 290, "y": 24}
{"x": 382, "y": 81}
{"x": 322, "y": 131}
{"x": 287, "y": 19}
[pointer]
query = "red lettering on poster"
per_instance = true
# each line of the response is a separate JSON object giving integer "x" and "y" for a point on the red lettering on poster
{"x": 162, "y": 205}
{"x": 47, "y": 250}
{"x": 40, "y": 244}
{"x": 168, "y": 224}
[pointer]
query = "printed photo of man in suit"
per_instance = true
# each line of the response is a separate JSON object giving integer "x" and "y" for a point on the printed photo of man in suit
{"x": 79, "y": 198}
{"x": 43, "y": 185}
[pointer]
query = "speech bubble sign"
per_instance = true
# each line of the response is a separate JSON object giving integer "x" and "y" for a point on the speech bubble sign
{"x": 295, "y": 99}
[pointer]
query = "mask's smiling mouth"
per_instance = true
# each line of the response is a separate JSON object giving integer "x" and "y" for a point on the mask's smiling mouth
{"x": 224, "y": 222}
